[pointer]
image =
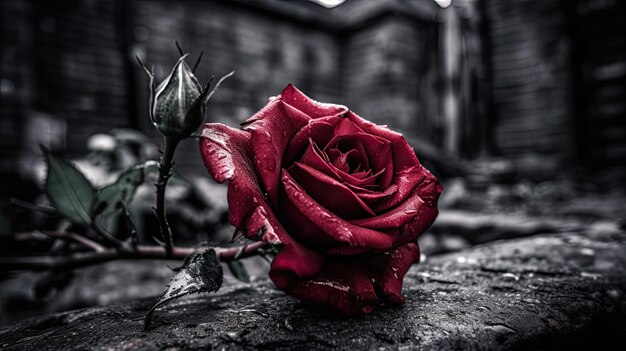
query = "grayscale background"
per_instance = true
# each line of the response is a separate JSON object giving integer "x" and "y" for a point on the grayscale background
{"x": 518, "y": 106}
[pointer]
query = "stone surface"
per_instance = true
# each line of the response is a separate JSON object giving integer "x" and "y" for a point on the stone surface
{"x": 559, "y": 290}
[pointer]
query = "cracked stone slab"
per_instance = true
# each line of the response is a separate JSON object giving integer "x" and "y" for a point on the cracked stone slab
{"x": 546, "y": 291}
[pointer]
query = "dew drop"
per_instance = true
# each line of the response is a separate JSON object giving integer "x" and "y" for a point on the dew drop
{"x": 587, "y": 252}
{"x": 500, "y": 329}
{"x": 510, "y": 276}
{"x": 268, "y": 136}
{"x": 221, "y": 156}
{"x": 226, "y": 172}
{"x": 410, "y": 211}
{"x": 293, "y": 184}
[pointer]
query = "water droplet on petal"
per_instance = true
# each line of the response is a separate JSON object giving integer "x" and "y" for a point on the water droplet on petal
{"x": 410, "y": 211}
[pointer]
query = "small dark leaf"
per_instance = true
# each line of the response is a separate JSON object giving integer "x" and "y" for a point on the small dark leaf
{"x": 68, "y": 189}
{"x": 238, "y": 234}
{"x": 239, "y": 271}
{"x": 109, "y": 199}
{"x": 201, "y": 273}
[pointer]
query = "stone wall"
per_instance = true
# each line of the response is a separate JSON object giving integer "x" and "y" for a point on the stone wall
{"x": 600, "y": 56}
{"x": 390, "y": 71}
{"x": 532, "y": 78}
{"x": 556, "y": 69}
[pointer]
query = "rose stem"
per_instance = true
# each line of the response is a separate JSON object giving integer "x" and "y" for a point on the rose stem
{"x": 169, "y": 148}
{"x": 82, "y": 259}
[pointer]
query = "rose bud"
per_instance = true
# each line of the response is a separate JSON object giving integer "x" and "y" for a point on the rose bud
{"x": 346, "y": 199}
{"x": 177, "y": 105}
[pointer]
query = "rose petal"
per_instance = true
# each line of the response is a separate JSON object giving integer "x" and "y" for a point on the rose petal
{"x": 357, "y": 146}
{"x": 408, "y": 171}
{"x": 344, "y": 161}
{"x": 330, "y": 193}
{"x": 393, "y": 268}
{"x": 403, "y": 154}
{"x": 314, "y": 157}
{"x": 357, "y": 285}
{"x": 410, "y": 219}
{"x": 407, "y": 181}
{"x": 378, "y": 153}
{"x": 310, "y": 107}
{"x": 319, "y": 130}
{"x": 318, "y": 226}
{"x": 347, "y": 127}
{"x": 228, "y": 156}
{"x": 395, "y": 217}
{"x": 271, "y": 129}
{"x": 372, "y": 198}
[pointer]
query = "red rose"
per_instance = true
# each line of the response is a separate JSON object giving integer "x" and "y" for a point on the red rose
{"x": 346, "y": 198}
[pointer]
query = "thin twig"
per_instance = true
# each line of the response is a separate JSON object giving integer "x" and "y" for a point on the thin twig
{"x": 141, "y": 252}
{"x": 180, "y": 49}
{"x": 197, "y": 62}
{"x": 76, "y": 237}
{"x": 46, "y": 235}
{"x": 34, "y": 207}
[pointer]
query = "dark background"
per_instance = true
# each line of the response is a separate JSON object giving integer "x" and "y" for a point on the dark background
{"x": 518, "y": 106}
{"x": 539, "y": 80}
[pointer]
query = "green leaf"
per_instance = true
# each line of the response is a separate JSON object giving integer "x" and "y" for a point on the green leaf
{"x": 239, "y": 271}
{"x": 109, "y": 199}
{"x": 202, "y": 272}
{"x": 68, "y": 189}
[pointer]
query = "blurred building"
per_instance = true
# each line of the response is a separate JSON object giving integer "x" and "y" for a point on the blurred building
{"x": 476, "y": 78}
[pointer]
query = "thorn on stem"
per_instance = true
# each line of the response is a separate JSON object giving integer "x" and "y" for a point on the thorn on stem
{"x": 195, "y": 66}
{"x": 180, "y": 49}
{"x": 150, "y": 73}
{"x": 240, "y": 252}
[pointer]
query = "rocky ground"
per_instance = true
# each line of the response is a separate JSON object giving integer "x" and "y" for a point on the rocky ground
{"x": 526, "y": 266}
{"x": 559, "y": 290}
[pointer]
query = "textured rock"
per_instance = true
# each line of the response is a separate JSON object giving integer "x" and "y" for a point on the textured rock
{"x": 560, "y": 290}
